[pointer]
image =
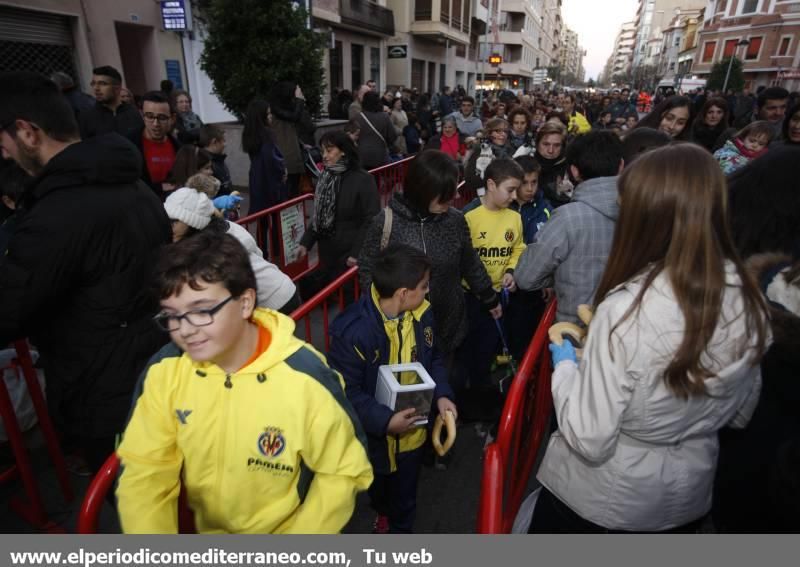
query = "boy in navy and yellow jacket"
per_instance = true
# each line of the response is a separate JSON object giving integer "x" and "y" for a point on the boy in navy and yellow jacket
{"x": 391, "y": 324}
{"x": 245, "y": 416}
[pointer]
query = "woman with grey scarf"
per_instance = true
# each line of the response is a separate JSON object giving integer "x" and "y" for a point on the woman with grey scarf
{"x": 345, "y": 201}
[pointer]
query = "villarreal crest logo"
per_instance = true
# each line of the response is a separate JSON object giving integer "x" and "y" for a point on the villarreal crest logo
{"x": 509, "y": 236}
{"x": 271, "y": 443}
{"x": 428, "y": 333}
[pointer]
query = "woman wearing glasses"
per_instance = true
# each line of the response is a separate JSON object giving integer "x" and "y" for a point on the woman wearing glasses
{"x": 192, "y": 212}
{"x": 494, "y": 145}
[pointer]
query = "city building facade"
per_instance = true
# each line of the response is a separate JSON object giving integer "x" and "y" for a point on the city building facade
{"x": 772, "y": 30}
{"x": 357, "y": 32}
{"x": 618, "y": 67}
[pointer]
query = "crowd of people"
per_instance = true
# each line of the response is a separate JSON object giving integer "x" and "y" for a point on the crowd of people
{"x": 158, "y": 317}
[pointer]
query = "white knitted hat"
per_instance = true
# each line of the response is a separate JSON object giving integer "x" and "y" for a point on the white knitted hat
{"x": 190, "y": 206}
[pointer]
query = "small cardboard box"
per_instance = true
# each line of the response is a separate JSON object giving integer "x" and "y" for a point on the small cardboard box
{"x": 415, "y": 391}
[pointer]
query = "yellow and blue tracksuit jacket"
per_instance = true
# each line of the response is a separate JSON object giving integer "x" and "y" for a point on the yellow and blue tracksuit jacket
{"x": 273, "y": 448}
{"x": 362, "y": 339}
{"x": 534, "y": 214}
{"x": 497, "y": 237}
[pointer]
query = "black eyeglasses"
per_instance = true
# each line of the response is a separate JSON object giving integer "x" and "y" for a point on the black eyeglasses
{"x": 150, "y": 117}
{"x": 197, "y": 318}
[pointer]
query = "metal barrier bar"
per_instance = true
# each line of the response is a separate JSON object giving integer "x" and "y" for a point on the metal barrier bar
{"x": 523, "y": 425}
{"x": 389, "y": 178}
{"x": 269, "y": 227}
{"x": 321, "y": 299}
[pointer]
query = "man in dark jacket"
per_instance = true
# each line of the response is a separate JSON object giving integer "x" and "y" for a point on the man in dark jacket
{"x": 78, "y": 100}
{"x": 74, "y": 279}
{"x": 109, "y": 114}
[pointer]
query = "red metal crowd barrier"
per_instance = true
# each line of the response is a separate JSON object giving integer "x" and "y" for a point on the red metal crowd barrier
{"x": 508, "y": 462}
{"x": 334, "y": 289}
{"x": 31, "y": 507}
{"x": 278, "y": 230}
{"x": 89, "y": 514}
{"x": 389, "y": 178}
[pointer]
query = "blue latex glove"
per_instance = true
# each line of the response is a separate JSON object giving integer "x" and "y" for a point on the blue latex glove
{"x": 562, "y": 352}
{"x": 227, "y": 202}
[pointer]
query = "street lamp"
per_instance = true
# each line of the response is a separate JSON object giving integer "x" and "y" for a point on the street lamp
{"x": 730, "y": 64}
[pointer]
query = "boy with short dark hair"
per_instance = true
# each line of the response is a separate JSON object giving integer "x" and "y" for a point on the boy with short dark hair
{"x": 530, "y": 202}
{"x": 526, "y": 307}
{"x": 392, "y": 323}
{"x": 497, "y": 236}
{"x": 212, "y": 139}
{"x": 245, "y": 416}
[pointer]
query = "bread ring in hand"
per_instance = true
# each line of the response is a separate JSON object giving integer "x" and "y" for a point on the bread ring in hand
{"x": 557, "y": 332}
{"x": 450, "y": 422}
{"x": 585, "y": 314}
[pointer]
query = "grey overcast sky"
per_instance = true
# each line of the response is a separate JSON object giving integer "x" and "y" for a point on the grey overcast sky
{"x": 597, "y": 23}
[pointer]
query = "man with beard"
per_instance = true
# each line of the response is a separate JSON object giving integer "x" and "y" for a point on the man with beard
{"x": 109, "y": 113}
{"x": 154, "y": 141}
{"x": 74, "y": 279}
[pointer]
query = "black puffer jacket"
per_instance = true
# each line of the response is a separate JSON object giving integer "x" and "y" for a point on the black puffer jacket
{"x": 75, "y": 281}
{"x": 446, "y": 240}
{"x": 100, "y": 120}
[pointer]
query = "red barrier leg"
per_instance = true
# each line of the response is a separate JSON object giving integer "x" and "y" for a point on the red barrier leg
{"x": 46, "y": 425}
{"x": 33, "y": 510}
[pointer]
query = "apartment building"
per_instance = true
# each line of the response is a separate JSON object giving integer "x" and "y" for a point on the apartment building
{"x": 358, "y": 31}
{"x": 74, "y": 36}
{"x": 435, "y": 43}
{"x": 527, "y": 35}
{"x": 772, "y": 30}
{"x": 674, "y": 40}
{"x": 619, "y": 64}
{"x": 653, "y": 17}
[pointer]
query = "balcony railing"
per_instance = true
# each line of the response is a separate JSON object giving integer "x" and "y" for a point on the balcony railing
{"x": 367, "y": 15}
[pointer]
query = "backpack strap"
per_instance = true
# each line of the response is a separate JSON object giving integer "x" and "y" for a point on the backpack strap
{"x": 387, "y": 227}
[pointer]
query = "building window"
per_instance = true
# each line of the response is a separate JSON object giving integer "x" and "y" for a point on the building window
{"x": 456, "y": 22}
{"x": 754, "y": 48}
{"x": 356, "y": 64}
{"x": 375, "y": 64}
{"x": 784, "y": 46}
{"x": 445, "y": 12}
{"x": 417, "y": 74}
{"x": 422, "y": 10}
{"x": 730, "y": 48}
{"x": 442, "y": 77}
{"x": 708, "y": 51}
{"x": 336, "y": 72}
{"x": 722, "y": 6}
{"x": 750, "y": 6}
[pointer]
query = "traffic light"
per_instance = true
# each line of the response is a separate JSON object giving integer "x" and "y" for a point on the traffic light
{"x": 495, "y": 59}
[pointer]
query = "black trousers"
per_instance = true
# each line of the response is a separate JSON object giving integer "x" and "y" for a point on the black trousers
{"x": 552, "y": 516}
{"x": 395, "y": 495}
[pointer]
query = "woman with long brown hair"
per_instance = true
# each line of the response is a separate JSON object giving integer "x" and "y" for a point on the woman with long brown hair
{"x": 671, "y": 357}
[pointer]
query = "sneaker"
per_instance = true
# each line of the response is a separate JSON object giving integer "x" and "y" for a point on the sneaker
{"x": 380, "y": 525}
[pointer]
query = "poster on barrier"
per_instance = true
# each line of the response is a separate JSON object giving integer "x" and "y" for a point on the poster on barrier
{"x": 293, "y": 221}
{"x": 293, "y": 226}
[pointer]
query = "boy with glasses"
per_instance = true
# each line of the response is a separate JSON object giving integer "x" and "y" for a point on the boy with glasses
{"x": 109, "y": 114}
{"x": 248, "y": 418}
{"x": 154, "y": 141}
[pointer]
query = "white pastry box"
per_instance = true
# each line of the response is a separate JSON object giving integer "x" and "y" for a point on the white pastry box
{"x": 403, "y": 386}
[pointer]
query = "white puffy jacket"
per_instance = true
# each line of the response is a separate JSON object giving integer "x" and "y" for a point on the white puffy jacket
{"x": 275, "y": 288}
{"x": 629, "y": 454}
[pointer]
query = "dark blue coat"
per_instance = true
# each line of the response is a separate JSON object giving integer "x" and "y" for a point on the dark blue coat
{"x": 534, "y": 214}
{"x": 361, "y": 327}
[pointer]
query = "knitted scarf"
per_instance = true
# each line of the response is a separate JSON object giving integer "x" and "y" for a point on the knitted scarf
{"x": 325, "y": 198}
